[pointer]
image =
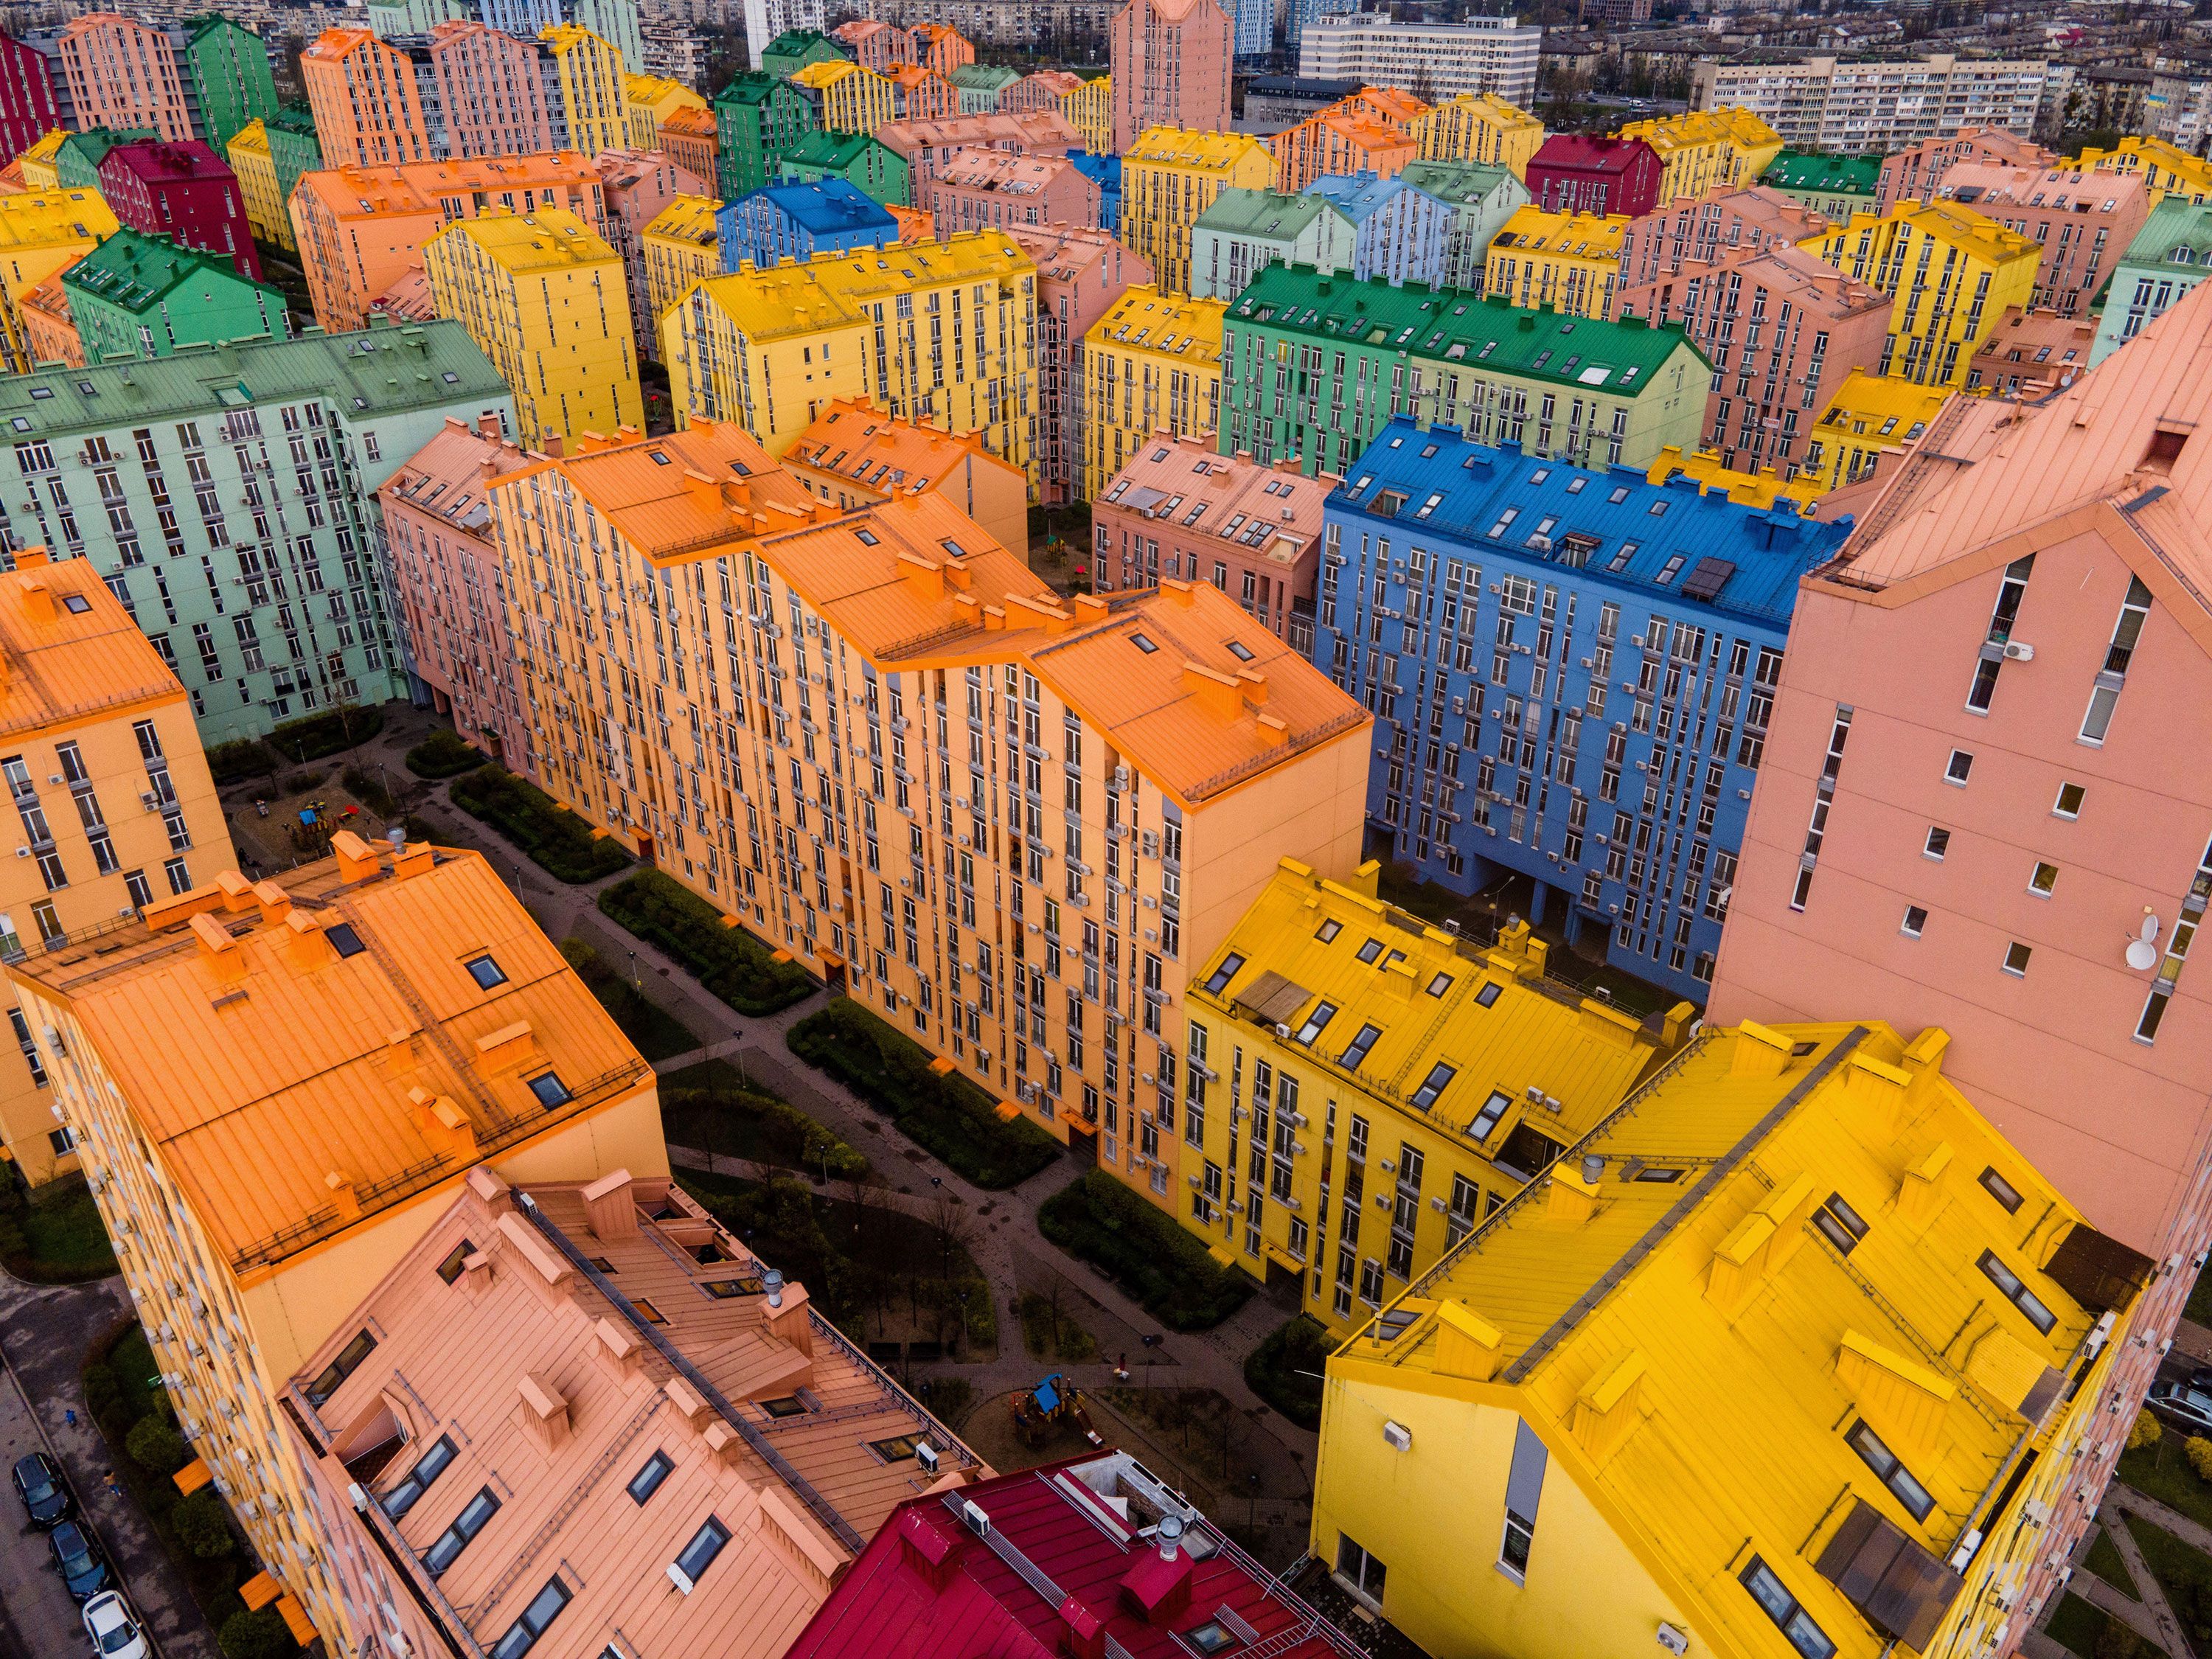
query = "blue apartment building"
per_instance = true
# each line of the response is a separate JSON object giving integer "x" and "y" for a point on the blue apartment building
{"x": 1570, "y": 670}
{"x": 799, "y": 220}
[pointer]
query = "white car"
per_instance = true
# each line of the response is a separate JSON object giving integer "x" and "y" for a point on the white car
{"x": 115, "y": 1634}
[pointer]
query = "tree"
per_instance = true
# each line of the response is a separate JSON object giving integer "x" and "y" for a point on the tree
{"x": 204, "y": 1525}
{"x": 154, "y": 1444}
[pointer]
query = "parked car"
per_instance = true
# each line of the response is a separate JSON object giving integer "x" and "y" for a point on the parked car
{"x": 115, "y": 1634}
{"x": 78, "y": 1558}
{"x": 2182, "y": 1404}
{"x": 46, "y": 1497}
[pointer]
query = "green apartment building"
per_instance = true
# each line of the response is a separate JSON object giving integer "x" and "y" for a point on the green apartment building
{"x": 979, "y": 84}
{"x": 228, "y": 83}
{"x": 794, "y": 49}
{"x": 758, "y": 118}
{"x": 1481, "y": 198}
{"x": 76, "y": 163}
{"x": 1243, "y": 231}
{"x": 876, "y": 170}
{"x": 294, "y": 148}
{"x": 1836, "y": 186}
{"x": 227, "y": 495}
{"x": 1314, "y": 365}
{"x": 2170, "y": 255}
{"x": 137, "y": 295}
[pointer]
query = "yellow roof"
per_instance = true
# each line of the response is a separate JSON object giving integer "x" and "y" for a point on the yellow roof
{"x": 1145, "y": 320}
{"x": 1763, "y": 490}
{"x": 293, "y": 1080}
{"x": 869, "y": 274}
{"x": 69, "y": 651}
{"x": 686, "y": 219}
{"x": 49, "y": 145}
{"x": 551, "y": 238}
{"x": 1490, "y": 107}
{"x": 1182, "y": 147}
{"x": 1572, "y": 235}
{"x": 658, "y": 91}
{"x": 823, "y": 75}
{"x": 1875, "y": 405}
{"x": 252, "y": 138}
{"x": 1678, "y": 1324}
{"x": 1732, "y": 125}
{"x": 786, "y": 299}
{"x": 40, "y": 218}
{"x": 565, "y": 38}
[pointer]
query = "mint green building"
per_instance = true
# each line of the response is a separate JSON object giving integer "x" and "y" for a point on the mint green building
{"x": 2170, "y": 255}
{"x": 1243, "y": 231}
{"x": 76, "y": 163}
{"x": 979, "y": 84}
{"x": 294, "y": 148}
{"x": 1836, "y": 187}
{"x": 228, "y": 83}
{"x": 137, "y": 295}
{"x": 875, "y": 169}
{"x": 1314, "y": 366}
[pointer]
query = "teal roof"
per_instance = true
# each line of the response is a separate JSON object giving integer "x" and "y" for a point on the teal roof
{"x": 1452, "y": 325}
{"x": 376, "y": 372}
{"x": 1270, "y": 213}
{"x": 2176, "y": 233}
{"x": 985, "y": 77}
{"x": 1461, "y": 184}
{"x": 137, "y": 272}
{"x": 293, "y": 117}
{"x": 1794, "y": 169}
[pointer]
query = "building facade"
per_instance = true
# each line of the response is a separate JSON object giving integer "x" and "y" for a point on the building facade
{"x": 797, "y": 221}
{"x": 1476, "y": 127}
{"x": 1488, "y": 56}
{"x": 1338, "y": 141}
{"x": 28, "y": 112}
{"x": 2081, "y": 223}
{"x": 1479, "y": 197}
{"x": 1716, "y": 150}
{"x": 1568, "y": 262}
{"x": 1081, "y": 274}
{"x": 255, "y": 169}
{"x": 1877, "y": 106}
{"x": 995, "y": 190}
{"x": 184, "y": 192}
{"x": 1169, "y": 67}
{"x": 1866, "y": 427}
{"x": 1170, "y": 177}
{"x": 2169, "y": 255}
{"x": 678, "y": 248}
{"x": 123, "y": 73}
{"x": 137, "y": 295}
{"x": 1951, "y": 272}
{"x": 1572, "y": 173}
{"x": 855, "y": 457}
{"x": 864, "y": 163}
{"x": 1246, "y": 230}
{"x": 1152, "y": 367}
{"x": 367, "y": 102}
{"x": 1398, "y": 232}
{"x": 42, "y": 233}
{"x": 1833, "y": 186}
{"x": 758, "y": 117}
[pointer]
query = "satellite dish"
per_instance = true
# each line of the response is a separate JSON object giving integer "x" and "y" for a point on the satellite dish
{"x": 2141, "y": 954}
{"x": 2148, "y": 931}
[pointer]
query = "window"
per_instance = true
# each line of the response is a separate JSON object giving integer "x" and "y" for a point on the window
{"x": 1885, "y": 1463}
{"x": 466, "y": 1525}
{"x": 1372, "y": 950}
{"x": 1328, "y": 930}
{"x": 450, "y": 1268}
{"x": 647, "y": 1481}
{"x": 1842, "y": 1225}
{"x": 1916, "y": 918}
{"x": 1524, "y": 1487}
{"x": 335, "y": 1374}
{"x": 1486, "y": 1120}
{"x": 699, "y": 1554}
{"x": 1362, "y": 1041}
{"x": 897, "y": 1447}
{"x": 2016, "y": 1292}
{"x": 428, "y": 1468}
{"x": 1937, "y": 845}
{"x": 1433, "y": 1085}
{"x": 344, "y": 939}
{"x": 1323, "y": 1013}
{"x": 646, "y": 1311}
{"x": 722, "y": 1290}
{"x": 1210, "y": 1637}
{"x": 2042, "y": 879}
{"x": 2015, "y": 961}
{"x": 1488, "y": 994}
{"x": 788, "y": 1404}
{"x": 2068, "y": 804}
{"x": 1360, "y": 1572}
{"x": 2007, "y": 1195}
{"x": 545, "y": 1607}
{"x": 1218, "y": 979}
{"x": 2135, "y": 611}
{"x": 1440, "y": 984}
{"x": 1961, "y": 764}
{"x": 76, "y": 604}
{"x": 486, "y": 972}
{"x": 1775, "y": 1600}
{"x": 550, "y": 1090}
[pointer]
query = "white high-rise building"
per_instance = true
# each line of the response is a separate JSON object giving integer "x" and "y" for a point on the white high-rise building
{"x": 766, "y": 19}
{"x": 1843, "y": 107}
{"x": 1496, "y": 55}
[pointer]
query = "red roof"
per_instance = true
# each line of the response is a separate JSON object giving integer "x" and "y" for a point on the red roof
{"x": 1576, "y": 150}
{"x": 1067, "y": 1556}
{"x": 159, "y": 160}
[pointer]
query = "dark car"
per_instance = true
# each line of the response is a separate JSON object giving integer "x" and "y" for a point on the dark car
{"x": 76, "y": 1555}
{"x": 46, "y": 1497}
{"x": 2179, "y": 1403}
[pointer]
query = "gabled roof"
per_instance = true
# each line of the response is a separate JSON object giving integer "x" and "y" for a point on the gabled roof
{"x": 1241, "y": 211}
{"x": 829, "y": 207}
{"x": 1460, "y": 183}
{"x": 1851, "y": 175}
{"x": 1584, "y": 151}
{"x": 138, "y": 272}
{"x": 69, "y": 651}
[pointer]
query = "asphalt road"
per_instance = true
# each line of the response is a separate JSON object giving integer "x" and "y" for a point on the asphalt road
{"x": 36, "y": 1614}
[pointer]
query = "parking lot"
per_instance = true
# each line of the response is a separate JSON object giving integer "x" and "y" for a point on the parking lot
{"x": 36, "y": 1614}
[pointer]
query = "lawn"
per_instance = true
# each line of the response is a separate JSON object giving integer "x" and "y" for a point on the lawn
{"x": 942, "y": 1112}
{"x": 318, "y": 735}
{"x": 1050, "y": 1332}
{"x": 2162, "y": 1471}
{"x": 55, "y": 1236}
{"x": 2184, "y": 1572}
{"x": 732, "y": 964}
{"x": 2091, "y": 1631}
{"x": 2104, "y": 1560}
{"x": 1167, "y": 1269}
{"x": 1285, "y": 1369}
{"x": 713, "y": 1107}
{"x": 556, "y": 840}
{"x": 443, "y": 755}
{"x": 655, "y": 1033}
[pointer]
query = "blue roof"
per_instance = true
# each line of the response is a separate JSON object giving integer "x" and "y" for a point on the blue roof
{"x": 1104, "y": 171}
{"x": 1357, "y": 195}
{"x": 830, "y": 207}
{"x": 1613, "y": 524}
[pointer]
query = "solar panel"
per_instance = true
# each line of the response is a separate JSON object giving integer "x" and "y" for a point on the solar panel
{"x": 1707, "y": 577}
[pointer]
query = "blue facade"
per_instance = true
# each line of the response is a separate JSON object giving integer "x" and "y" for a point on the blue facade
{"x": 1570, "y": 672}
{"x": 799, "y": 220}
{"x": 1256, "y": 28}
{"x": 1105, "y": 172}
{"x": 1400, "y": 233}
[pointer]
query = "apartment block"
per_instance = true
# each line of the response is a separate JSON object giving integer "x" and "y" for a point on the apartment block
{"x": 48, "y": 336}
{"x": 2081, "y": 223}
{"x": 615, "y": 21}
{"x": 228, "y": 77}
{"x": 1476, "y": 127}
{"x": 939, "y": 47}
{"x": 636, "y": 187}
{"x": 1170, "y": 177}
{"x": 485, "y": 93}
{"x": 1169, "y": 67}
{"x": 361, "y": 229}
{"x": 1951, "y": 272}
{"x": 1245, "y": 230}
{"x": 856, "y": 457}
{"x": 758, "y": 117}
{"x": 926, "y": 146}
{"x": 184, "y": 192}
{"x": 1715, "y": 149}
{"x": 1570, "y": 173}
{"x": 255, "y": 168}
{"x": 1040, "y": 89}
{"x": 263, "y": 590}
{"x": 920, "y": 94}
{"x": 1648, "y": 1449}
{"x": 35, "y": 164}
{"x": 1398, "y": 232}
{"x": 389, "y": 1023}
{"x": 650, "y": 100}
{"x": 123, "y": 73}
{"x": 1866, "y": 427}
{"x": 1339, "y": 141}
{"x": 858, "y": 159}
{"x": 678, "y": 248}
{"x": 978, "y": 84}
{"x": 843, "y": 97}
{"x": 1089, "y": 109}
{"x": 689, "y": 139}
{"x": 27, "y": 112}
{"x": 1567, "y": 262}
{"x": 1081, "y": 273}
{"x": 545, "y": 299}
{"x": 1877, "y": 106}
{"x": 1579, "y": 615}
{"x": 1660, "y": 246}
{"x": 42, "y": 233}
{"x": 1181, "y": 747}
{"x": 796, "y": 49}
{"x": 76, "y": 159}
{"x": 1486, "y": 56}
{"x": 1254, "y": 532}
{"x": 103, "y": 746}
{"x": 1833, "y": 186}
{"x": 996, "y": 188}
{"x": 1478, "y": 197}
{"x": 1914, "y": 172}
{"x": 137, "y": 295}
{"x": 2166, "y": 170}
{"x": 367, "y": 107}
{"x": 2029, "y": 352}
{"x": 1152, "y": 367}
{"x": 294, "y": 148}
{"x": 797, "y": 221}
{"x": 2169, "y": 255}
{"x": 1306, "y": 372}
{"x": 872, "y": 44}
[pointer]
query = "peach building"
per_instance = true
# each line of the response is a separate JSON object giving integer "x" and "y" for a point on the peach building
{"x": 996, "y": 190}
{"x": 1041, "y": 89}
{"x": 920, "y": 94}
{"x": 587, "y": 1413}
{"x": 2083, "y": 222}
{"x": 361, "y": 229}
{"x": 636, "y": 187}
{"x": 689, "y": 139}
{"x": 122, "y": 74}
{"x": 111, "y": 800}
{"x": 1687, "y": 233}
{"x": 1913, "y": 175}
{"x": 1081, "y": 271}
{"x": 492, "y": 94}
{"x": 2029, "y": 353}
{"x": 367, "y": 108}
{"x": 926, "y": 146}
{"x": 874, "y": 45}
{"x": 50, "y": 333}
{"x": 278, "y": 1088}
{"x": 938, "y": 46}
{"x": 1122, "y": 773}
{"x": 857, "y": 456}
{"x": 1340, "y": 139}
{"x": 1170, "y": 67}
{"x": 437, "y": 517}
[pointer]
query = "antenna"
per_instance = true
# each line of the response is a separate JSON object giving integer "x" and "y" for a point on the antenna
{"x": 2142, "y": 950}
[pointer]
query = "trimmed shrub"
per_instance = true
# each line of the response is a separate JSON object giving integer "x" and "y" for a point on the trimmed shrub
{"x": 763, "y": 1128}
{"x": 2146, "y": 1431}
{"x": 443, "y": 755}
{"x": 202, "y": 1526}
{"x": 657, "y": 1034}
{"x": 316, "y": 735}
{"x": 157, "y": 1444}
{"x": 732, "y": 964}
{"x": 1285, "y": 1369}
{"x": 233, "y": 763}
{"x": 942, "y": 1112}
{"x": 1151, "y": 1257}
{"x": 259, "y": 1635}
{"x": 2198, "y": 1450}
{"x": 559, "y": 842}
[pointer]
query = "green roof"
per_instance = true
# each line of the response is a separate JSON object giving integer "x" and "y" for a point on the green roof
{"x": 293, "y": 117}
{"x": 985, "y": 77}
{"x": 2174, "y": 225}
{"x": 752, "y": 87}
{"x": 1239, "y": 211}
{"x": 135, "y": 272}
{"x": 797, "y": 43}
{"x": 834, "y": 151}
{"x": 1462, "y": 184}
{"x": 1452, "y": 325}
{"x": 94, "y": 142}
{"x": 1795, "y": 169}
{"x": 376, "y": 372}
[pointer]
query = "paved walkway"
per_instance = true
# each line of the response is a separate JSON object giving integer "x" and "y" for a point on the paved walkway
{"x": 2152, "y": 1617}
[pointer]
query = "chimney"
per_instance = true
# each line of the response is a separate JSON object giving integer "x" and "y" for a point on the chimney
{"x": 1923, "y": 1192}
{"x": 276, "y": 904}
{"x": 610, "y": 1208}
{"x": 510, "y": 1045}
{"x": 491, "y": 1190}
{"x": 543, "y": 1413}
{"x": 220, "y": 949}
{"x": 356, "y": 858}
{"x": 618, "y": 1349}
{"x": 340, "y": 1186}
{"x": 237, "y": 891}
{"x": 1156, "y": 1586}
{"x": 1760, "y": 1051}
{"x": 690, "y": 1405}
{"x": 1610, "y": 1406}
{"x": 1574, "y": 1194}
{"x": 1467, "y": 1345}
{"x": 33, "y": 558}
{"x": 38, "y": 601}
{"x": 1083, "y": 1632}
{"x": 784, "y": 1312}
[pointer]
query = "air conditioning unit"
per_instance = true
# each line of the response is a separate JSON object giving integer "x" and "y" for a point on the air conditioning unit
{"x": 1397, "y": 1436}
{"x": 926, "y": 1456}
{"x": 1381, "y": 1200}
{"x": 2019, "y": 651}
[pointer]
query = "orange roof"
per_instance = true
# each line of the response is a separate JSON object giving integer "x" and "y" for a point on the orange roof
{"x": 418, "y": 186}
{"x": 1385, "y": 104}
{"x": 695, "y": 123}
{"x": 333, "y": 44}
{"x": 69, "y": 651}
{"x": 914, "y": 224}
{"x": 409, "y": 300}
{"x": 194, "y": 1475}
{"x": 293, "y": 1084}
{"x": 578, "y": 1339}
{"x": 909, "y": 74}
{"x": 854, "y": 439}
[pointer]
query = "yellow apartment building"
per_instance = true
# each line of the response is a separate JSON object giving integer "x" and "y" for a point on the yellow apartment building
{"x": 594, "y": 103}
{"x": 875, "y": 739}
{"x": 1764, "y": 489}
{"x": 681, "y": 246}
{"x": 1707, "y": 150}
{"x": 1089, "y": 110}
{"x": 1792, "y": 1354}
{"x": 1570, "y": 261}
{"x": 1870, "y": 418}
{"x": 2166, "y": 168}
{"x": 846, "y": 98}
{"x": 941, "y": 333}
{"x": 1952, "y": 271}
{"x": 1344, "y": 1058}
{"x": 1151, "y": 364}
{"x": 543, "y": 295}
{"x": 250, "y": 159}
{"x": 38, "y": 162}
{"x": 42, "y": 233}
{"x": 1477, "y": 127}
{"x": 649, "y": 99}
{"x": 277, "y": 1087}
{"x": 1168, "y": 178}
{"x": 111, "y": 793}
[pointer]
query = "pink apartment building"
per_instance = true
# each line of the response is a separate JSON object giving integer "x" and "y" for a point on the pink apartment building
{"x": 938, "y": 46}
{"x": 452, "y": 591}
{"x": 920, "y": 94}
{"x": 1040, "y": 89}
{"x": 2084, "y": 222}
{"x": 1180, "y": 509}
{"x": 183, "y": 192}
{"x": 121, "y": 74}
{"x": 1169, "y": 61}
{"x": 1081, "y": 272}
{"x": 1982, "y": 808}
{"x": 1911, "y": 175}
{"x": 2029, "y": 353}
{"x": 996, "y": 190}
{"x": 490, "y": 91}
{"x": 635, "y": 185}
{"x": 874, "y": 46}
{"x": 367, "y": 109}
{"x": 925, "y": 146}
{"x": 1689, "y": 232}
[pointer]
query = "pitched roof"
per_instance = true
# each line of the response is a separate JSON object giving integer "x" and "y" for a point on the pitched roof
{"x": 69, "y": 651}
{"x": 446, "y": 478}
{"x": 1584, "y": 150}
{"x": 1271, "y": 511}
{"x": 829, "y": 207}
{"x": 1459, "y": 183}
{"x": 159, "y": 161}
{"x": 1240, "y": 210}
{"x": 1853, "y": 175}
{"x": 855, "y": 440}
{"x": 551, "y": 238}
{"x": 136, "y": 271}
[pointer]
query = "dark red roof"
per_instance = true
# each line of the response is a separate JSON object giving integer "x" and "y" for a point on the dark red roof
{"x": 1576, "y": 150}
{"x": 159, "y": 160}
{"x": 1060, "y": 1557}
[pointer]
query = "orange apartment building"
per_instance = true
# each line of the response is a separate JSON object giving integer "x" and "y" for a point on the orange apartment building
{"x": 1006, "y": 822}
{"x": 920, "y": 94}
{"x": 938, "y": 46}
{"x": 121, "y": 73}
{"x": 855, "y": 456}
{"x": 689, "y": 140}
{"x": 367, "y": 107}
{"x": 1340, "y": 140}
{"x": 361, "y": 230}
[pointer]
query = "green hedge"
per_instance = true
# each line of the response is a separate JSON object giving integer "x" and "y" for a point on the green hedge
{"x": 734, "y": 1121}
{"x": 318, "y": 735}
{"x": 54, "y": 1235}
{"x": 1285, "y": 1371}
{"x": 443, "y": 755}
{"x": 657, "y": 1034}
{"x": 1151, "y": 1257}
{"x": 234, "y": 762}
{"x": 943, "y": 1113}
{"x": 732, "y": 964}
{"x": 559, "y": 842}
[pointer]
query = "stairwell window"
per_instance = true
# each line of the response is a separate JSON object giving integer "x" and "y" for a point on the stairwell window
{"x": 2006, "y": 611}
{"x": 1891, "y": 1468}
{"x": 1358, "y": 1571}
{"x": 2016, "y": 1292}
{"x": 1524, "y": 1489}
{"x": 1775, "y": 1600}
{"x": 2105, "y": 697}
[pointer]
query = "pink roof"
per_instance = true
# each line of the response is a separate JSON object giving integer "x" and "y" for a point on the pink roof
{"x": 1063, "y": 253}
{"x": 445, "y": 478}
{"x": 159, "y": 161}
{"x": 1270, "y": 505}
